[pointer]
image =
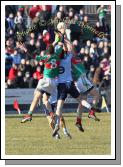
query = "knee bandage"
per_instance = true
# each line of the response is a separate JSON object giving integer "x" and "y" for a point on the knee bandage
{"x": 86, "y": 104}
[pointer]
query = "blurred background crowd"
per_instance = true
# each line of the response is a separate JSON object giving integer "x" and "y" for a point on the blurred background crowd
{"x": 38, "y": 24}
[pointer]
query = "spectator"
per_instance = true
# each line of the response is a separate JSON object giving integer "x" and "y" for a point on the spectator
{"x": 98, "y": 29}
{"x": 87, "y": 34}
{"x": 88, "y": 44}
{"x": 8, "y": 62}
{"x": 93, "y": 50}
{"x": 33, "y": 81}
{"x": 16, "y": 58}
{"x": 62, "y": 10}
{"x": 87, "y": 60}
{"x": 94, "y": 54}
{"x": 75, "y": 28}
{"x": 9, "y": 47}
{"x": 42, "y": 45}
{"x": 21, "y": 9}
{"x": 105, "y": 53}
{"x": 10, "y": 34}
{"x": 19, "y": 82}
{"x": 57, "y": 19}
{"x": 91, "y": 72}
{"x": 31, "y": 48}
{"x": 46, "y": 38}
{"x": 101, "y": 11}
{"x": 38, "y": 73}
{"x": 22, "y": 66}
{"x": 27, "y": 79}
{"x": 81, "y": 14}
{"x": 10, "y": 84}
{"x": 82, "y": 53}
{"x": 12, "y": 74}
{"x": 33, "y": 10}
{"x": 45, "y": 15}
{"x": 100, "y": 48}
{"x": 19, "y": 26}
{"x": 98, "y": 76}
{"x": 76, "y": 46}
{"x": 10, "y": 21}
{"x": 31, "y": 37}
{"x": 38, "y": 48}
{"x": 28, "y": 68}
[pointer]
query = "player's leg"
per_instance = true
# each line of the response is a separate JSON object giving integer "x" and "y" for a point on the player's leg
{"x": 75, "y": 94}
{"x": 89, "y": 107}
{"x": 95, "y": 99}
{"x": 84, "y": 86}
{"x": 53, "y": 102}
{"x": 28, "y": 117}
{"x": 79, "y": 118}
{"x": 62, "y": 94}
{"x": 64, "y": 127}
{"x": 48, "y": 110}
{"x": 37, "y": 95}
{"x": 60, "y": 104}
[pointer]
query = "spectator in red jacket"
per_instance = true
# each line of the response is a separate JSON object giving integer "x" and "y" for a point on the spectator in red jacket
{"x": 13, "y": 72}
{"x": 46, "y": 38}
{"x": 12, "y": 76}
{"x": 38, "y": 73}
{"x": 33, "y": 11}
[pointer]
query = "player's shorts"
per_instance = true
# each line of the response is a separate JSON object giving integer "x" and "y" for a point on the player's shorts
{"x": 67, "y": 88}
{"x": 84, "y": 85}
{"x": 46, "y": 85}
{"x": 53, "y": 97}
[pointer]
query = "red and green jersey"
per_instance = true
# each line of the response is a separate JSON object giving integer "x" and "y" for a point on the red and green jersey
{"x": 51, "y": 64}
{"x": 77, "y": 68}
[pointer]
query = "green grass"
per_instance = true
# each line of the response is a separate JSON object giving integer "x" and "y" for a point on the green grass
{"x": 35, "y": 138}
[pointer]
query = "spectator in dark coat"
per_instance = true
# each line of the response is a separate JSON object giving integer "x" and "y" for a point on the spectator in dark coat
{"x": 28, "y": 68}
{"x": 8, "y": 63}
{"x": 19, "y": 82}
{"x": 31, "y": 48}
{"x": 98, "y": 76}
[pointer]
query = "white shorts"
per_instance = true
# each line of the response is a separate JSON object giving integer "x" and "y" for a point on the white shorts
{"x": 47, "y": 85}
{"x": 83, "y": 84}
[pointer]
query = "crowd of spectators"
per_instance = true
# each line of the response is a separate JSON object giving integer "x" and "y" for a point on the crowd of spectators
{"x": 29, "y": 30}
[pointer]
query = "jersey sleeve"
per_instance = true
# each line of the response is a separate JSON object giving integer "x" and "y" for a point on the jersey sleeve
{"x": 41, "y": 58}
{"x": 57, "y": 38}
{"x": 58, "y": 51}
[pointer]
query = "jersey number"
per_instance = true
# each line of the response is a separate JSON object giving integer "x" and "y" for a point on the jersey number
{"x": 61, "y": 70}
{"x": 53, "y": 63}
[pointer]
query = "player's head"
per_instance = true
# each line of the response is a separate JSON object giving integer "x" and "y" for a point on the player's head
{"x": 61, "y": 27}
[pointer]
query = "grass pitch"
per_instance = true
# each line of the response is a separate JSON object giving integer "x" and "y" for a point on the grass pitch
{"x": 35, "y": 138}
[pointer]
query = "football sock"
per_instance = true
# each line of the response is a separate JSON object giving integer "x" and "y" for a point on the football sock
{"x": 79, "y": 112}
{"x": 91, "y": 112}
{"x": 78, "y": 120}
{"x": 57, "y": 122}
{"x": 65, "y": 131}
{"x": 30, "y": 112}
